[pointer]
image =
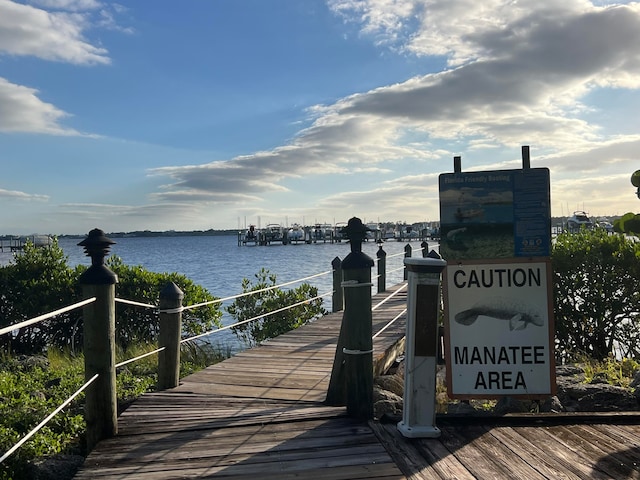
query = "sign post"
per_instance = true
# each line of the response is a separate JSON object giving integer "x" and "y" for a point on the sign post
{"x": 496, "y": 239}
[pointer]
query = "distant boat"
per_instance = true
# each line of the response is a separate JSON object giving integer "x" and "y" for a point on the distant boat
{"x": 251, "y": 235}
{"x": 295, "y": 233}
{"x": 579, "y": 220}
{"x": 338, "y": 234}
{"x": 273, "y": 233}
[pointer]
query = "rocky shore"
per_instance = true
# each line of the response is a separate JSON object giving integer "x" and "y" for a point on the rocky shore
{"x": 573, "y": 395}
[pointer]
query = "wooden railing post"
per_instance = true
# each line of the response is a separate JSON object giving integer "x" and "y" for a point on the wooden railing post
{"x": 382, "y": 269}
{"x": 101, "y": 410}
{"x": 337, "y": 300}
{"x": 425, "y": 248}
{"x": 351, "y": 380}
{"x": 169, "y": 336}
{"x": 407, "y": 254}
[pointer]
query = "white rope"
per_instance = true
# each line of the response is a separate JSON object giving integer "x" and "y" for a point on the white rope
{"x": 46, "y": 420}
{"x": 390, "y": 323}
{"x": 386, "y": 299}
{"x": 173, "y": 310}
{"x": 131, "y": 360}
{"x": 226, "y": 327}
{"x": 137, "y": 304}
{"x": 233, "y": 297}
{"x": 348, "y": 351}
{"x": 11, "y": 328}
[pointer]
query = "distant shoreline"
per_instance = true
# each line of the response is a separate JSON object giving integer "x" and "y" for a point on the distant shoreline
{"x": 141, "y": 233}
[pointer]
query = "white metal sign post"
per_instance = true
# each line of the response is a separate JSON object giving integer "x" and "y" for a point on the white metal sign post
{"x": 423, "y": 301}
{"x": 499, "y": 339}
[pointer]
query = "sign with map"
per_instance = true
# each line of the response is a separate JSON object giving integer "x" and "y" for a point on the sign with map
{"x": 495, "y": 214}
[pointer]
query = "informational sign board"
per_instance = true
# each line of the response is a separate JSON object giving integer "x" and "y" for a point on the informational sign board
{"x": 495, "y": 214}
{"x": 499, "y": 329}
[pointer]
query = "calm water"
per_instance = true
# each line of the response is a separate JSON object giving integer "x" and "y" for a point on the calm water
{"x": 219, "y": 264}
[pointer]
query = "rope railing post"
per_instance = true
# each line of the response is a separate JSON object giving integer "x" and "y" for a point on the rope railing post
{"x": 407, "y": 254}
{"x": 351, "y": 380}
{"x": 425, "y": 248}
{"x": 169, "y": 336}
{"x": 382, "y": 269}
{"x": 99, "y": 340}
{"x": 337, "y": 301}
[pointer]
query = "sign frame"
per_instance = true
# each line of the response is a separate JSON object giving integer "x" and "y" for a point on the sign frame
{"x": 520, "y": 369}
{"x": 495, "y": 214}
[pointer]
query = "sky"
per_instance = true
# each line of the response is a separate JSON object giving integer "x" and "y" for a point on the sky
{"x": 197, "y": 115}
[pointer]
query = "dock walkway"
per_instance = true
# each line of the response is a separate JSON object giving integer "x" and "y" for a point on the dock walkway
{"x": 260, "y": 415}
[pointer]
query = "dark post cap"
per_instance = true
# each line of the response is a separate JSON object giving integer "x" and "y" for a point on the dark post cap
{"x": 356, "y": 232}
{"x": 96, "y": 246}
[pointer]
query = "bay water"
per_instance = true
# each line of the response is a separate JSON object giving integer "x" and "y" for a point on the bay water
{"x": 219, "y": 264}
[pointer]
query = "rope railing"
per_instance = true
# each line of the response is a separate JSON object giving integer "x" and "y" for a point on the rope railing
{"x": 391, "y": 322}
{"x": 389, "y": 297}
{"x": 178, "y": 309}
{"x": 45, "y": 316}
{"x": 266, "y": 289}
{"x": 139, "y": 357}
{"x": 258, "y": 317}
{"x": 225, "y": 299}
{"x": 37, "y": 428}
{"x": 135, "y": 304}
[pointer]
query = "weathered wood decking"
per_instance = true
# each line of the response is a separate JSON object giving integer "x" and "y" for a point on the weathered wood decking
{"x": 260, "y": 415}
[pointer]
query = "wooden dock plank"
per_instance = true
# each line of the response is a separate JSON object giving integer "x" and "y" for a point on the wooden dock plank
{"x": 260, "y": 415}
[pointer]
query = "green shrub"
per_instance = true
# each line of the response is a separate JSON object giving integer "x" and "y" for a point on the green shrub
{"x": 596, "y": 295}
{"x": 272, "y": 299}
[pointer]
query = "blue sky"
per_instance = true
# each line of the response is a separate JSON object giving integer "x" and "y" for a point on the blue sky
{"x": 216, "y": 114}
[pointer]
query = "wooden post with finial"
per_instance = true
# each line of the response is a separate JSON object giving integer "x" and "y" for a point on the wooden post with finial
{"x": 101, "y": 410}
{"x": 351, "y": 380}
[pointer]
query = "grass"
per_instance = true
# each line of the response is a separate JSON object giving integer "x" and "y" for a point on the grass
{"x": 32, "y": 387}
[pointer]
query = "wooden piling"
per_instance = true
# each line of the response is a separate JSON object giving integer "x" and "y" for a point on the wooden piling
{"x": 337, "y": 300}
{"x": 169, "y": 336}
{"x": 98, "y": 281}
{"x": 382, "y": 269}
{"x": 407, "y": 254}
{"x": 351, "y": 380}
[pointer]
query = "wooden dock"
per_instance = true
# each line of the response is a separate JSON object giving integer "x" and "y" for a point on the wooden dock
{"x": 260, "y": 415}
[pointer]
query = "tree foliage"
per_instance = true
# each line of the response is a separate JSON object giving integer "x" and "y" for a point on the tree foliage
{"x": 135, "y": 324}
{"x": 596, "y": 294}
{"x": 268, "y": 298}
{"x": 628, "y": 223}
{"x": 39, "y": 281}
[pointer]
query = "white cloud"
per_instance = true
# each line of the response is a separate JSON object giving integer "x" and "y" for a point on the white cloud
{"x": 22, "y": 111}
{"x": 70, "y": 5}
{"x": 25, "y": 30}
{"x": 17, "y": 195}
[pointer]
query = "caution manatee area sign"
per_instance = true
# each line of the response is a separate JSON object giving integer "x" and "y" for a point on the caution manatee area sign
{"x": 496, "y": 237}
{"x": 499, "y": 330}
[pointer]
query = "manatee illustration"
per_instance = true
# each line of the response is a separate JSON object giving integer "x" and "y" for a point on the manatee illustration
{"x": 518, "y": 315}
